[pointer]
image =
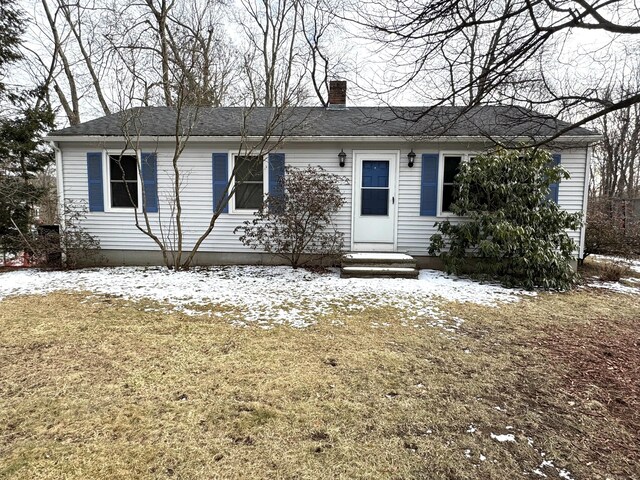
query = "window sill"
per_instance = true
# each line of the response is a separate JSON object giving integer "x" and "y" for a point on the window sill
{"x": 126, "y": 210}
{"x": 446, "y": 215}
{"x": 120, "y": 209}
{"x": 450, "y": 216}
{"x": 242, "y": 212}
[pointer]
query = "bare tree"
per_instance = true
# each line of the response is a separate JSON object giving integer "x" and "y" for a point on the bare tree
{"x": 169, "y": 233}
{"x": 617, "y": 157}
{"x": 70, "y": 101}
{"x": 486, "y": 51}
{"x": 94, "y": 54}
{"x": 99, "y": 52}
{"x": 200, "y": 54}
{"x": 76, "y": 17}
{"x": 154, "y": 43}
{"x": 325, "y": 58}
{"x": 167, "y": 228}
{"x": 273, "y": 64}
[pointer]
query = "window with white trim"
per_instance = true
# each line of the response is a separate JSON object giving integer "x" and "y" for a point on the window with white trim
{"x": 450, "y": 168}
{"x": 123, "y": 181}
{"x": 249, "y": 182}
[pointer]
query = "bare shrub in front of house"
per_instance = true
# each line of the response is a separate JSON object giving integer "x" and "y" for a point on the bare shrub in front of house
{"x": 296, "y": 224}
{"x": 512, "y": 231}
{"x": 77, "y": 245}
{"x": 69, "y": 247}
{"x": 613, "y": 271}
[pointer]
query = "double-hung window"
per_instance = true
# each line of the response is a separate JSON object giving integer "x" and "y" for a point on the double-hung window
{"x": 249, "y": 182}
{"x": 123, "y": 181}
{"x": 450, "y": 168}
{"x": 115, "y": 181}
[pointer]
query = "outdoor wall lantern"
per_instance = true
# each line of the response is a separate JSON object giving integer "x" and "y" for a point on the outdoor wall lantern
{"x": 412, "y": 157}
{"x": 342, "y": 157}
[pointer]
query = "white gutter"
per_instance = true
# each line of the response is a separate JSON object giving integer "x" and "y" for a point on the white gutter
{"x": 585, "y": 199}
{"x": 574, "y": 139}
{"x": 59, "y": 185}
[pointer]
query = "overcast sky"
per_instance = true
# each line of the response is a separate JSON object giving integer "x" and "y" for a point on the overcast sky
{"x": 368, "y": 66}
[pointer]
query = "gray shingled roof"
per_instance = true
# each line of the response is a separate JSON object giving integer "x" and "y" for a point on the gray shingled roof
{"x": 492, "y": 121}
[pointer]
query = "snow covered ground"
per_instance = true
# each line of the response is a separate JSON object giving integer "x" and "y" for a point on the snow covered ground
{"x": 629, "y": 287}
{"x": 616, "y": 286}
{"x": 270, "y": 295}
{"x": 632, "y": 264}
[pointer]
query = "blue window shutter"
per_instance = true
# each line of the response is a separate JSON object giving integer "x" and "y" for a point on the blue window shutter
{"x": 429, "y": 185}
{"x": 149, "y": 169}
{"x": 94, "y": 176}
{"x": 276, "y": 173}
{"x": 554, "y": 187}
{"x": 220, "y": 171}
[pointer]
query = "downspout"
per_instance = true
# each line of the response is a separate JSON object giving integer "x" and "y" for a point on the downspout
{"x": 60, "y": 189}
{"x": 585, "y": 199}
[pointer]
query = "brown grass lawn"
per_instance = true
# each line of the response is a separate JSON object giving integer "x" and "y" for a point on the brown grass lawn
{"x": 101, "y": 388}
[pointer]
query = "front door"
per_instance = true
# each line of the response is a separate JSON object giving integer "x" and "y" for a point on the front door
{"x": 374, "y": 202}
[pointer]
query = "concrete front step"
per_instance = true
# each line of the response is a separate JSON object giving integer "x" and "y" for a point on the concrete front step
{"x": 377, "y": 259}
{"x": 377, "y": 264}
{"x": 378, "y": 272}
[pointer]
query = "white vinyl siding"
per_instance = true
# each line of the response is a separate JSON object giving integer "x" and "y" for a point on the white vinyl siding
{"x": 117, "y": 231}
{"x": 414, "y": 230}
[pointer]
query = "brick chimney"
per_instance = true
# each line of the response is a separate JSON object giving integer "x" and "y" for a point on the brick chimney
{"x": 337, "y": 94}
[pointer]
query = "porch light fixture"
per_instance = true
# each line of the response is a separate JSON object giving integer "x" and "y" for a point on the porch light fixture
{"x": 412, "y": 157}
{"x": 342, "y": 157}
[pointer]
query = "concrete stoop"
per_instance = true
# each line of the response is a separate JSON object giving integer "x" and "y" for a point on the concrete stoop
{"x": 378, "y": 265}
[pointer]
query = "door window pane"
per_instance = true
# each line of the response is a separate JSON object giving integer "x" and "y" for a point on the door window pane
{"x": 375, "y": 201}
{"x": 375, "y": 173}
{"x": 375, "y": 188}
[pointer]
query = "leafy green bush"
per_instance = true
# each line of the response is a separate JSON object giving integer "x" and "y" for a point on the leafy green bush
{"x": 510, "y": 230}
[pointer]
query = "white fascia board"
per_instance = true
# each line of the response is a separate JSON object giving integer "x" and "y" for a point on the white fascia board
{"x": 569, "y": 140}
{"x": 59, "y": 184}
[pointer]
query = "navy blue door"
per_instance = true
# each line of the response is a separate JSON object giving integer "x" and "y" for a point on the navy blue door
{"x": 375, "y": 187}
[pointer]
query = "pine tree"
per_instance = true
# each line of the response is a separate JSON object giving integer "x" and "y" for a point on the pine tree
{"x": 25, "y": 117}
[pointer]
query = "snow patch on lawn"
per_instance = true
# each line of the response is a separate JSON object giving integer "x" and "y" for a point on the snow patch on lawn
{"x": 615, "y": 287}
{"x": 562, "y": 473}
{"x": 545, "y": 463}
{"x": 632, "y": 264}
{"x": 270, "y": 296}
{"x": 507, "y": 437}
